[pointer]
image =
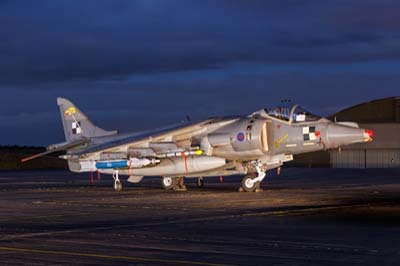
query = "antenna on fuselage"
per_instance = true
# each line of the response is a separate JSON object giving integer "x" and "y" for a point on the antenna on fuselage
{"x": 286, "y": 101}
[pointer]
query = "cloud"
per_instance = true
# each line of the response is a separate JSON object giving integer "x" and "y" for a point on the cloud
{"x": 51, "y": 41}
{"x": 135, "y": 65}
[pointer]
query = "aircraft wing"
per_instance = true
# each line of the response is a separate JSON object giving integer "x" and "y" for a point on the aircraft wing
{"x": 174, "y": 133}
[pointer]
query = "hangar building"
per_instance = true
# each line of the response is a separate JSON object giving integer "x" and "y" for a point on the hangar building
{"x": 383, "y": 117}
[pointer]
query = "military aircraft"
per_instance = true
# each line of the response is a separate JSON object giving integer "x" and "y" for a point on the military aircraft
{"x": 223, "y": 146}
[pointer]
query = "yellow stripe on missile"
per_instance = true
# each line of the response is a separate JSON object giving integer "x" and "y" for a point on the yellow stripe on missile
{"x": 199, "y": 152}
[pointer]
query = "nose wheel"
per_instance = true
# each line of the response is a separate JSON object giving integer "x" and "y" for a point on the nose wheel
{"x": 117, "y": 182}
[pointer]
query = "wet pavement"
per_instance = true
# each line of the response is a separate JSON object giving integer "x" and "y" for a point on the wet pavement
{"x": 303, "y": 217}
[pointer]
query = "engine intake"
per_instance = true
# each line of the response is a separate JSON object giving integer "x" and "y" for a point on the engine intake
{"x": 244, "y": 135}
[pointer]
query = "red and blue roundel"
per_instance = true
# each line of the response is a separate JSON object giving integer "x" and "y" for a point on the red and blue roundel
{"x": 240, "y": 136}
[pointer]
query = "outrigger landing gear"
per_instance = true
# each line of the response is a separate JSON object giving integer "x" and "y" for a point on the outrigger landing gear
{"x": 175, "y": 183}
{"x": 251, "y": 183}
{"x": 200, "y": 182}
{"x": 117, "y": 182}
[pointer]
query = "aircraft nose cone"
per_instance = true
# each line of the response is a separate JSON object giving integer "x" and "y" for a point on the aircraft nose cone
{"x": 368, "y": 135}
{"x": 339, "y": 135}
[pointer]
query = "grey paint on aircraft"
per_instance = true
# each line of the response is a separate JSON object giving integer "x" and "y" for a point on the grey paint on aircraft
{"x": 222, "y": 146}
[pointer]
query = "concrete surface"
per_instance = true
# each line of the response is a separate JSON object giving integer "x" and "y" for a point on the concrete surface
{"x": 303, "y": 217}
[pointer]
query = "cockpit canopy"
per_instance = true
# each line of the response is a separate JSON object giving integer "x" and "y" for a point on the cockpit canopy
{"x": 295, "y": 114}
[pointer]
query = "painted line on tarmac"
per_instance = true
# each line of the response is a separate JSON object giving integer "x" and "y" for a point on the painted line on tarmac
{"x": 104, "y": 256}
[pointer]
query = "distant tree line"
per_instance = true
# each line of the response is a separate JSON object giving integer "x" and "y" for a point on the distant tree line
{"x": 11, "y": 155}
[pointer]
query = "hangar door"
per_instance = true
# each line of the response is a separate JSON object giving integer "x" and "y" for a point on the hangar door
{"x": 383, "y": 159}
{"x": 348, "y": 159}
{"x": 376, "y": 158}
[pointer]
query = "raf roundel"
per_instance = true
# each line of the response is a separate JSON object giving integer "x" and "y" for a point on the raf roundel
{"x": 240, "y": 136}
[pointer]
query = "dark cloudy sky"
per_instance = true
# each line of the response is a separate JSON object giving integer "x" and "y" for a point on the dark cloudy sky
{"x": 134, "y": 65}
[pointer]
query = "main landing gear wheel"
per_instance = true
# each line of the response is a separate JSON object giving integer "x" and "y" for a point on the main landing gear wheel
{"x": 168, "y": 182}
{"x": 175, "y": 183}
{"x": 117, "y": 182}
{"x": 249, "y": 185}
{"x": 200, "y": 182}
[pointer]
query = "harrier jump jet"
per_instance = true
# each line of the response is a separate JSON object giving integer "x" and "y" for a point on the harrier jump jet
{"x": 236, "y": 145}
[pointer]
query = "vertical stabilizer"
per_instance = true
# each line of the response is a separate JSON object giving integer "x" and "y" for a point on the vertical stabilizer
{"x": 76, "y": 124}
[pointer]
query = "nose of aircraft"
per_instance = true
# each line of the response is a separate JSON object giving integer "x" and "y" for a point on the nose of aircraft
{"x": 369, "y": 135}
{"x": 339, "y": 135}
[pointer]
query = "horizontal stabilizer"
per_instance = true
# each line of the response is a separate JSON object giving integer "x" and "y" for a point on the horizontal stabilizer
{"x": 35, "y": 156}
{"x": 55, "y": 148}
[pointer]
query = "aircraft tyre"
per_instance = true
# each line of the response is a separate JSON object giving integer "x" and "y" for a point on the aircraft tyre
{"x": 168, "y": 182}
{"x": 249, "y": 186}
{"x": 200, "y": 182}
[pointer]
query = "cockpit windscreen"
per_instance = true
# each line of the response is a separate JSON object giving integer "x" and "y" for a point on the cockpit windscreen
{"x": 295, "y": 114}
{"x": 280, "y": 112}
{"x": 302, "y": 115}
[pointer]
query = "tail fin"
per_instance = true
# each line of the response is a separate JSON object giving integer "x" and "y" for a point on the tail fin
{"x": 76, "y": 124}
